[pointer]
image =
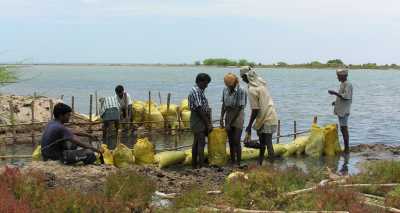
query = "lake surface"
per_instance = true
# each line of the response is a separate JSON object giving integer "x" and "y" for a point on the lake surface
{"x": 299, "y": 94}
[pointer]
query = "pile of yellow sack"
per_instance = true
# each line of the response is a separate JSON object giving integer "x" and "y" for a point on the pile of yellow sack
{"x": 185, "y": 113}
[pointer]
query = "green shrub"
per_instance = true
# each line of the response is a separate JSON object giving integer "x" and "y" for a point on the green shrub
{"x": 384, "y": 171}
{"x": 393, "y": 198}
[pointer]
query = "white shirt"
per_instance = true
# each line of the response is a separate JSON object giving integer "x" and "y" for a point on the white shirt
{"x": 343, "y": 105}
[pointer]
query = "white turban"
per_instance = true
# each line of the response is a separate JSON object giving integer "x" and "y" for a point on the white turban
{"x": 342, "y": 71}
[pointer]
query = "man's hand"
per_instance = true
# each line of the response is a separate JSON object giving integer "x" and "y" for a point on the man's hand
{"x": 248, "y": 129}
{"x": 331, "y": 92}
{"x": 221, "y": 123}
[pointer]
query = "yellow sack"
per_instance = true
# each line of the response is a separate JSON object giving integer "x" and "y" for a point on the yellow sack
{"x": 332, "y": 145}
{"x": 301, "y": 143}
{"x": 186, "y": 118}
{"x": 107, "y": 155}
{"x": 249, "y": 153}
{"x": 171, "y": 112}
{"x": 188, "y": 156}
{"x": 138, "y": 111}
{"x": 123, "y": 156}
{"x": 169, "y": 158}
{"x": 185, "y": 105}
{"x": 291, "y": 149}
{"x": 143, "y": 151}
{"x": 37, "y": 153}
{"x": 217, "y": 147}
{"x": 156, "y": 119}
{"x": 315, "y": 146}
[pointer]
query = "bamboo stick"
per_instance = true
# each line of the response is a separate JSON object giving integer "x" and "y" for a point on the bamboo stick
{"x": 167, "y": 117}
{"x": 278, "y": 135}
{"x": 13, "y": 121}
{"x": 294, "y": 129}
{"x": 73, "y": 107}
{"x": 33, "y": 121}
{"x": 315, "y": 121}
{"x": 159, "y": 97}
{"x": 51, "y": 109}
{"x": 97, "y": 103}
{"x": 90, "y": 116}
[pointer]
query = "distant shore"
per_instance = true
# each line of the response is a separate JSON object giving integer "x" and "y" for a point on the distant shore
{"x": 379, "y": 67}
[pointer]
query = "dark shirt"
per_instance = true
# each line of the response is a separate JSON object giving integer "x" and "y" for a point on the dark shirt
{"x": 55, "y": 131}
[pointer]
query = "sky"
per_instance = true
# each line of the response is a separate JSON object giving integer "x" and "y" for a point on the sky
{"x": 184, "y": 31}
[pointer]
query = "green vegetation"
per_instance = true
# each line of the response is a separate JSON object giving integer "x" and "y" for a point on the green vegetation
{"x": 6, "y": 76}
{"x": 334, "y": 63}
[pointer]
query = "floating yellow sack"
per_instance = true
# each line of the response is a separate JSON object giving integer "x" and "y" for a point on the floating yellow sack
{"x": 332, "y": 145}
{"x": 123, "y": 156}
{"x": 107, "y": 155}
{"x": 291, "y": 149}
{"x": 217, "y": 147}
{"x": 315, "y": 146}
{"x": 186, "y": 118}
{"x": 301, "y": 143}
{"x": 185, "y": 105}
{"x": 156, "y": 119}
{"x": 169, "y": 158}
{"x": 37, "y": 153}
{"x": 138, "y": 111}
{"x": 143, "y": 151}
{"x": 188, "y": 156}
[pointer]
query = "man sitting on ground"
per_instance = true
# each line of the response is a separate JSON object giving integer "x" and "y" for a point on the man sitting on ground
{"x": 59, "y": 143}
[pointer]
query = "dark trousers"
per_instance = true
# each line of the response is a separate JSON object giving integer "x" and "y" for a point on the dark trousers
{"x": 265, "y": 140}
{"x": 199, "y": 143}
{"x": 234, "y": 135}
{"x": 87, "y": 156}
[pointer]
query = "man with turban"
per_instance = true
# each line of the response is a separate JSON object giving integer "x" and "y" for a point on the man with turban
{"x": 342, "y": 105}
{"x": 263, "y": 113}
{"x": 234, "y": 99}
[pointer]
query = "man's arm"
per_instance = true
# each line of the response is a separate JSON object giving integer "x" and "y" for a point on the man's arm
{"x": 84, "y": 145}
{"x": 221, "y": 121}
{"x": 254, "y": 113}
{"x": 336, "y": 94}
{"x": 203, "y": 116}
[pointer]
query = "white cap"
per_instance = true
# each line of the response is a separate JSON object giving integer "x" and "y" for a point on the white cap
{"x": 342, "y": 71}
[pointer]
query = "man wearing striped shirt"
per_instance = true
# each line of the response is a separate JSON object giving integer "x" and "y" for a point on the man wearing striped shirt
{"x": 200, "y": 121}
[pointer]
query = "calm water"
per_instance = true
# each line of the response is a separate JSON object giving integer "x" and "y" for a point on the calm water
{"x": 299, "y": 95}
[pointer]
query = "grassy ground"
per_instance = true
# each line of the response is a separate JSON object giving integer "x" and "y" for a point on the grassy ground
{"x": 257, "y": 188}
{"x": 6, "y": 76}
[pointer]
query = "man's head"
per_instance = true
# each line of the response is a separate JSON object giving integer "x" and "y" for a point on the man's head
{"x": 243, "y": 73}
{"x": 231, "y": 81}
{"x": 62, "y": 112}
{"x": 202, "y": 80}
{"x": 119, "y": 90}
{"x": 342, "y": 74}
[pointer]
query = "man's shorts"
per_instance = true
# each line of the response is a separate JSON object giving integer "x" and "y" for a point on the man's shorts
{"x": 343, "y": 120}
{"x": 267, "y": 129}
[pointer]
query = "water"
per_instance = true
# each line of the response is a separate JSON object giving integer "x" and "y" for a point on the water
{"x": 299, "y": 94}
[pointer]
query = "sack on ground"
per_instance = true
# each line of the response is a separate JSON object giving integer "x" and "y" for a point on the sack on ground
{"x": 301, "y": 143}
{"x": 217, "y": 147}
{"x": 186, "y": 118}
{"x": 291, "y": 149}
{"x": 155, "y": 118}
{"x": 249, "y": 153}
{"x": 138, "y": 111}
{"x": 185, "y": 105}
{"x": 143, "y": 151}
{"x": 332, "y": 145}
{"x": 169, "y": 158}
{"x": 37, "y": 153}
{"x": 107, "y": 155}
{"x": 172, "y": 112}
{"x": 315, "y": 146}
{"x": 188, "y": 156}
{"x": 123, "y": 156}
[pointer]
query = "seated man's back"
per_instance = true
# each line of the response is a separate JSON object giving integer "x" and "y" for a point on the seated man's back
{"x": 54, "y": 139}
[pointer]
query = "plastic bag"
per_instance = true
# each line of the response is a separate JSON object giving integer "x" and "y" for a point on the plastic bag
{"x": 169, "y": 158}
{"x": 249, "y": 153}
{"x": 123, "y": 156}
{"x": 107, "y": 155}
{"x": 291, "y": 149}
{"x": 301, "y": 143}
{"x": 138, "y": 111}
{"x": 186, "y": 118}
{"x": 315, "y": 146}
{"x": 217, "y": 147}
{"x": 332, "y": 145}
{"x": 172, "y": 112}
{"x": 188, "y": 156}
{"x": 37, "y": 153}
{"x": 156, "y": 119}
{"x": 143, "y": 151}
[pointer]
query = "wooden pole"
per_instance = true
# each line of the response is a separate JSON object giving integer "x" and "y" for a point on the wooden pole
{"x": 97, "y": 103}
{"x": 159, "y": 97}
{"x": 33, "y": 120}
{"x": 90, "y": 116}
{"x": 294, "y": 130}
{"x": 168, "y": 105}
{"x": 62, "y": 97}
{"x": 279, "y": 132}
{"x": 150, "y": 108}
{"x": 179, "y": 118}
{"x": 13, "y": 121}
{"x": 73, "y": 108}
{"x": 51, "y": 109}
{"x": 315, "y": 121}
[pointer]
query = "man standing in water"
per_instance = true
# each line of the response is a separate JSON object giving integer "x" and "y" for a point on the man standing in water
{"x": 200, "y": 122}
{"x": 59, "y": 143}
{"x": 263, "y": 112}
{"x": 234, "y": 100}
{"x": 342, "y": 105}
{"x": 125, "y": 108}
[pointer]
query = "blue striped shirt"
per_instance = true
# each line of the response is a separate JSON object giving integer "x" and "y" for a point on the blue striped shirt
{"x": 198, "y": 99}
{"x": 236, "y": 99}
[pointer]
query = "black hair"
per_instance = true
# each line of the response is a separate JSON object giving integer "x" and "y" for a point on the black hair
{"x": 61, "y": 109}
{"x": 119, "y": 89}
{"x": 201, "y": 77}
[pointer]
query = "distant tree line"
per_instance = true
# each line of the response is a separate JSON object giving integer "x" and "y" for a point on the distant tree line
{"x": 333, "y": 63}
